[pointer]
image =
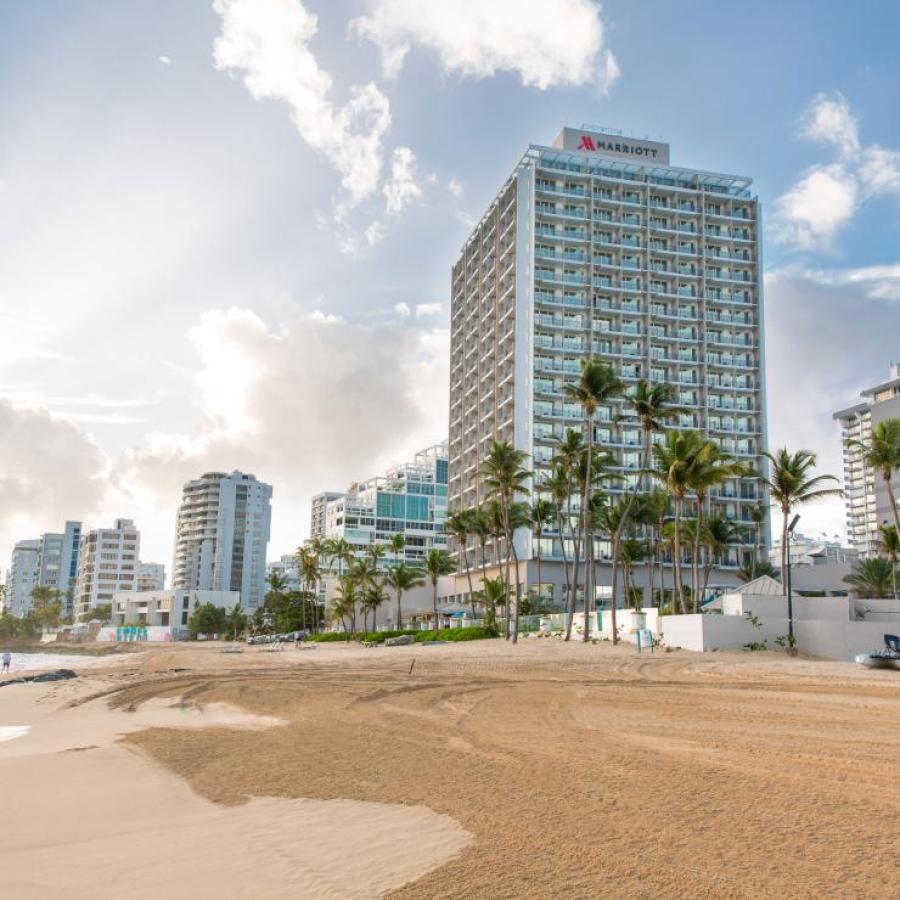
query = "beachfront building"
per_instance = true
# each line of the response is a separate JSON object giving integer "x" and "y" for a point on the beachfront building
{"x": 221, "y": 536}
{"x": 165, "y": 608}
{"x": 150, "y": 577}
{"x": 598, "y": 245}
{"x": 866, "y": 496}
{"x": 408, "y": 499}
{"x": 809, "y": 551}
{"x": 22, "y": 577}
{"x": 317, "y": 513}
{"x": 107, "y": 563}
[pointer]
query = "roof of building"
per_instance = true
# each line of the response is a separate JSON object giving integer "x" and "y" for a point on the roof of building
{"x": 764, "y": 585}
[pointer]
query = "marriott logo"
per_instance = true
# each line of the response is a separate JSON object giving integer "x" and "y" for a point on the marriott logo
{"x": 588, "y": 143}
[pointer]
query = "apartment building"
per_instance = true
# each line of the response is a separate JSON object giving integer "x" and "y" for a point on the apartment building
{"x": 107, "y": 563}
{"x": 22, "y": 577}
{"x": 150, "y": 577}
{"x": 409, "y": 499}
{"x": 597, "y": 246}
{"x": 221, "y": 535}
{"x": 867, "y": 502}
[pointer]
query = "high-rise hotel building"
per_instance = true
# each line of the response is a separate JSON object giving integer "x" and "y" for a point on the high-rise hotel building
{"x": 598, "y": 245}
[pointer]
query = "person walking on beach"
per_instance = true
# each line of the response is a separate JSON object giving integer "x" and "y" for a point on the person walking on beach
{"x": 7, "y": 659}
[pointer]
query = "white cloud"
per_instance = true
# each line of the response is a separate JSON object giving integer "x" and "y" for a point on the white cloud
{"x": 546, "y": 47}
{"x": 268, "y": 40}
{"x": 402, "y": 189}
{"x": 814, "y": 210}
{"x": 875, "y": 282}
{"x": 165, "y": 60}
{"x": 428, "y": 309}
{"x": 455, "y": 186}
{"x": 811, "y": 213}
{"x": 50, "y": 471}
{"x": 309, "y": 405}
{"x": 402, "y": 310}
{"x": 829, "y": 120}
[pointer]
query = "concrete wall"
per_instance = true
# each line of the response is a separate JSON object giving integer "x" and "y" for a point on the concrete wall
{"x": 701, "y": 632}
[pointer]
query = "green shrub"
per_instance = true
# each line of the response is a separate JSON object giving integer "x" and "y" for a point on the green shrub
{"x": 373, "y": 637}
{"x": 475, "y": 633}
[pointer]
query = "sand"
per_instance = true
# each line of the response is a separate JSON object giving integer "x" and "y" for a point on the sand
{"x": 543, "y": 770}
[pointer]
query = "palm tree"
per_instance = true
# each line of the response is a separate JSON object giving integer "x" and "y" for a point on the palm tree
{"x": 889, "y": 541}
{"x": 459, "y": 527}
{"x": 712, "y": 467}
{"x": 882, "y": 454}
{"x": 344, "y": 604}
{"x": 758, "y": 513}
{"x": 373, "y": 597}
{"x": 493, "y": 592}
{"x": 540, "y": 514}
{"x": 719, "y": 533}
{"x": 753, "y": 570}
{"x": 437, "y": 563}
{"x": 558, "y": 486}
{"x": 481, "y": 529}
{"x": 396, "y": 543}
{"x": 505, "y": 478}
{"x": 338, "y": 550}
{"x": 403, "y": 578}
{"x": 872, "y": 577}
{"x": 375, "y": 552}
{"x": 791, "y": 483}
{"x": 674, "y": 460}
{"x": 597, "y": 385}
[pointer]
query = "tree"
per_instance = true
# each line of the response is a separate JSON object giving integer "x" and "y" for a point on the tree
{"x": 459, "y": 527}
{"x": 558, "y": 486}
{"x": 753, "y": 570}
{"x": 872, "y": 578}
{"x": 673, "y": 463}
{"x": 402, "y": 578}
{"x": 540, "y": 514}
{"x": 236, "y": 621}
{"x": 259, "y": 621}
{"x": 792, "y": 483}
{"x": 718, "y": 534}
{"x": 597, "y": 385}
{"x": 758, "y": 513}
{"x": 437, "y": 563}
{"x": 397, "y": 543}
{"x": 505, "y": 478}
{"x": 374, "y": 596}
{"x": 481, "y": 529}
{"x": 207, "y": 619}
{"x": 882, "y": 454}
{"x": 102, "y": 612}
{"x": 46, "y": 606}
{"x": 889, "y": 541}
{"x": 567, "y": 460}
{"x": 493, "y": 593}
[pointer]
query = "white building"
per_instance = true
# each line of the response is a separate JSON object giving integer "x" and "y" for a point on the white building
{"x": 107, "y": 563}
{"x": 150, "y": 577}
{"x": 867, "y": 501}
{"x": 808, "y": 551}
{"x": 222, "y": 532}
{"x": 318, "y": 510}
{"x": 22, "y": 577}
{"x": 165, "y": 609}
{"x": 409, "y": 499}
{"x": 596, "y": 245}
{"x": 286, "y": 566}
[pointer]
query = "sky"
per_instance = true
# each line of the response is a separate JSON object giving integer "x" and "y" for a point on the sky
{"x": 227, "y": 227}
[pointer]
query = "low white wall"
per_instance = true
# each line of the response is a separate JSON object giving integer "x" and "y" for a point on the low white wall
{"x": 701, "y": 631}
{"x": 768, "y": 605}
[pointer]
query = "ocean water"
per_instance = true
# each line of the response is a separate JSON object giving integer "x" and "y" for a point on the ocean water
{"x": 29, "y": 662}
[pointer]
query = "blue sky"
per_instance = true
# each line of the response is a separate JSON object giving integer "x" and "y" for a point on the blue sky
{"x": 214, "y": 256}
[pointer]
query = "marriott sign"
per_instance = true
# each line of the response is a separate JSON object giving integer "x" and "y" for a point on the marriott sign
{"x": 613, "y": 145}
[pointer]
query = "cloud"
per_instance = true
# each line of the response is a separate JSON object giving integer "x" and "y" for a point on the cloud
{"x": 50, "y": 471}
{"x": 268, "y": 41}
{"x": 562, "y": 46}
{"x": 875, "y": 282}
{"x": 402, "y": 189}
{"x": 428, "y": 309}
{"x": 815, "y": 326}
{"x": 811, "y": 214}
{"x": 165, "y": 60}
{"x": 402, "y": 310}
{"x": 829, "y": 120}
{"x": 455, "y": 186}
{"x": 308, "y": 405}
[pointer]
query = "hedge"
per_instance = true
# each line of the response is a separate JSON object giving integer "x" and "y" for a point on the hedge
{"x": 378, "y": 637}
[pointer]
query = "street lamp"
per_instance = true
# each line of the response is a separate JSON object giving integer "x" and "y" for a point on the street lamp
{"x": 790, "y": 596}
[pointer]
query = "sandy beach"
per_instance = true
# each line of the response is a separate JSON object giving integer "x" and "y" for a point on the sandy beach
{"x": 467, "y": 770}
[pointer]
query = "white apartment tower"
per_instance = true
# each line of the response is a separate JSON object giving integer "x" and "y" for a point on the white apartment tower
{"x": 22, "y": 577}
{"x": 866, "y": 496}
{"x": 598, "y": 246}
{"x": 107, "y": 563}
{"x": 221, "y": 535}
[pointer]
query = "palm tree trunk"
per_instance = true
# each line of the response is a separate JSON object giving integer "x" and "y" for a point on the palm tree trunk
{"x": 616, "y": 549}
{"x": 893, "y": 499}
{"x": 562, "y": 548}
{"x": 469, "y": 579}
{"x": 588, "y": 531}
{"x": 537, "y": 604}
{"x": 697, "y": 545}
{"x": 437, "y": 627}
{"x": 515, "y": 626}
{"x": 784, "y": 549}
{"x": 676, "y": 554}
{"x": 506, "y": 595}
{"x": 399, "y": 614}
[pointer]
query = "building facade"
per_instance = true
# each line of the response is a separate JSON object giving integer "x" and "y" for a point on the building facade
{"x": 150, "y": 577}
{"x": 317, "y": 514}
{"x": 107, "y": 563}
{"x": 409, "y": 499}
{"x": 221, "y": 534}
{"x": 161, "y": 608}
{"x": 22, "y": 577}
{"x": 597, "y": 246}
{"x": 867, "y": 502}
{"x": 809, "y": 551}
